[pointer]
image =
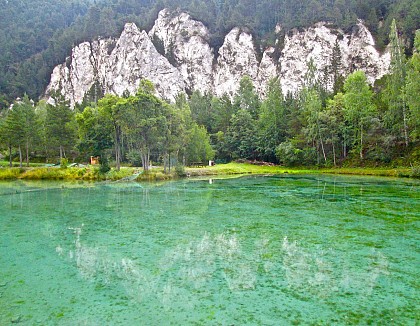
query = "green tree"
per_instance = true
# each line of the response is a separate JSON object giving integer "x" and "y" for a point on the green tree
{"x": 396, "y": 116}
{"x": 95, "y": 134}
{"x": 334, "y": 124}
{"x": 202, "y": 109}
{"x": 314, "y": 130}
{"x": 145, "y": 122}
{"x": 60, "y": 127}
{"x": 223, "y": 109}
{"x": 198, "y": 148}
{"x": 247, "y": 98}
{"x": 359, "y": 107}
{"x": 7, "y": 138}
{"x": 111, "y": 108}
{"x": 272, "y": 121}
{"x": 412, "y": 88}
{"x": 241, "y": 137}
{"x": 28, "y": 124}
{"x": 21, "y": 127}
{"x": 335, "y": 68}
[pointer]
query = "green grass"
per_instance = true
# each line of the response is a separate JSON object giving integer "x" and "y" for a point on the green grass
{"x": 386, "y": 172}
{"x": 157, "y": 174}
{"x": 243, "y": 168}
{"x": 56, "y": 173}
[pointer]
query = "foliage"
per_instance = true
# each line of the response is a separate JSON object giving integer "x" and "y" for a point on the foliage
{"x": 64, "y": 163}
{"x": 359, "y": 107}
{"x": 415, "y": 172}
{"x": 288, "y": 154}
{"x": 180, "y": 170}
{"x": 60, "y": 128}
{"x": 412, "y": 89}
{"x": 198, "y": 148}
{"x": 272, "y": 121}
{"x": 36, "y": 37}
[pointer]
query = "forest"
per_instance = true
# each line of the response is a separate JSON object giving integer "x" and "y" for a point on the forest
{"x": 37, "y": 35}
{"x": 354, "y": 124}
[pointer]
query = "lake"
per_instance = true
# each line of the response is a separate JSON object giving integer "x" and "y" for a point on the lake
{"x": 266, "y": 250}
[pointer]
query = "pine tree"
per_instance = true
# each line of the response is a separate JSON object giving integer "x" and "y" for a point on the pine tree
{"x": 396, "y": 116}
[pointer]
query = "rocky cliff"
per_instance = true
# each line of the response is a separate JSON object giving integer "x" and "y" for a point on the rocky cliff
{"x": 176, "y": 56}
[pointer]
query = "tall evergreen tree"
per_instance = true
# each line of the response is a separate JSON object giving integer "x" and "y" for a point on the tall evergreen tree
{"x": 396, "y": 116}
{"x": 359, "y": 107}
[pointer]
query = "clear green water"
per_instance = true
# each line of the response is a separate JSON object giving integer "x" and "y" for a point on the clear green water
{"x": 249, "y": 251}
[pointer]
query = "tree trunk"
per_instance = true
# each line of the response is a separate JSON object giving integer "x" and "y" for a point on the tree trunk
{"x": 323, "y": 150}
{"x": 322, "y": 143}
{"x": 117, "y": 148}
{"x": 165, "y": 163}
{"x": 61, "y": 153}
{"x": 169, "y": 158}
{"x": 333, "y": 148}
{"x": 27, "y": 153}
{"x": 145, "y": 159}
{"x": 361, "y": 142}
{"x": 10, "y": 156}
{"x": 20, "y": 156}
{"x": 405, "y": 125}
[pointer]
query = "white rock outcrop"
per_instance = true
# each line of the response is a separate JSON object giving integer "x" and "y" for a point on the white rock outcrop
{"x": 134, "y": 58}
{"x": 185, "y": 42}
{"x": 237, "y": 57}
{"x": 176, "y": 56}
{"x": 357, "y": 53}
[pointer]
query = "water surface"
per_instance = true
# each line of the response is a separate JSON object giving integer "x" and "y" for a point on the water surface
{"x": 250, "y": 251}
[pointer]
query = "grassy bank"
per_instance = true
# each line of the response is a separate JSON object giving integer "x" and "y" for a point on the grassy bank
{"x": 156, "y": 174}
{"x": 244, "y": 168}
{"x": 55, "y": 173}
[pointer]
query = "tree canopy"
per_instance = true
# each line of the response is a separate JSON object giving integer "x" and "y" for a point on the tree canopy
{"x": 36, "y": 36}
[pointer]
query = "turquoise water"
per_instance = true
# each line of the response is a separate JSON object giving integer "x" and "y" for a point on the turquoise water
{"x": 320, "y": 250}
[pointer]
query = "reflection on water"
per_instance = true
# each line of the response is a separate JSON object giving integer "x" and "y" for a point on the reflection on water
{"x": 198, "y": 263}
{"x": 322, "y": 273}
{"x": 249, "y": 251}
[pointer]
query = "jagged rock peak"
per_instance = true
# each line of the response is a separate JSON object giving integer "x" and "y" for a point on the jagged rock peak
{"x": 237, "y": 57}
{"x": 176, "y": 56}
{"x": 317, "y": 43}
{"x": 184, "y": 42}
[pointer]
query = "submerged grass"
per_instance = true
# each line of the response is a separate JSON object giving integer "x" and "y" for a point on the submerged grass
{"x": 157, "y": 174}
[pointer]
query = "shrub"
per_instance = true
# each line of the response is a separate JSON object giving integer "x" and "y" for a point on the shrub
{"x": 9, "y": 173}
{"x": 415, "y": 172}
{"x": 104, "y": 167}
{"x": 180, "y": 170}
{"x": 288, "y": 154}
{"x": 63, "y": 163}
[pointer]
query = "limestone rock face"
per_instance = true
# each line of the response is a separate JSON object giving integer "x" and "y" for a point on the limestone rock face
{"x": 75, "y": 77}
{"x": 176, "y": 56}
{"x": 317, "y": 43}
{"x": 134, "y": 58}
{"x": 185, "y": 43}
{"x": 237, "y": 57}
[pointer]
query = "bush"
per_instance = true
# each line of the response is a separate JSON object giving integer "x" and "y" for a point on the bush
{"x": 10, "y": 173}
{"x": 180, "y": 170}
{"x": 104, "y": 167}
{"x": 63, "y": 163}
{"x": 288, "y": 154}
{"x": 415, "y": 172}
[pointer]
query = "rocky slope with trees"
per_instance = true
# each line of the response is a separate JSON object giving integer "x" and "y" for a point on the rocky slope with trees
{"x": 307, "y": 96}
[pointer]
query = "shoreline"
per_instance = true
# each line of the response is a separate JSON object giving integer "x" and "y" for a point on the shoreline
{"x": 91, "y": 173}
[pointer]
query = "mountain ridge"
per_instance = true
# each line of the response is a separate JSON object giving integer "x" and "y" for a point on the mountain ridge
{"x": 191, "y": 64}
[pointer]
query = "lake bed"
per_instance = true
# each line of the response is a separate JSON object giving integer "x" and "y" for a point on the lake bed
{"x": 253, "y": 250}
